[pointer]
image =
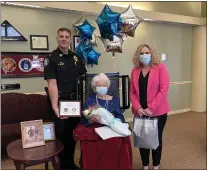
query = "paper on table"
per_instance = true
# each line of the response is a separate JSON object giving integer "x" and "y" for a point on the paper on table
{"x": 106, "y": 132}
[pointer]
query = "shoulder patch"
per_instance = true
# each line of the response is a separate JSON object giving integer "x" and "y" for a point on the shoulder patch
{"x": 46, "y": 62}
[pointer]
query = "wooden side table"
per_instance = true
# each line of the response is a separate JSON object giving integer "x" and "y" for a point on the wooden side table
{"x": 33, "y": 156}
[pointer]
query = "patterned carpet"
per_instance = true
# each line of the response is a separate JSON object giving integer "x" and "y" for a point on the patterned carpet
{"x": 184, "y": 144}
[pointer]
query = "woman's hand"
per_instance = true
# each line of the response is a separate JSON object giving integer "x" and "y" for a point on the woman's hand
{"x": 147, "y": 112}
{"x": 140, "y": 112}
{"x": 92, "y": 107}
{"x": 95, "y": 118}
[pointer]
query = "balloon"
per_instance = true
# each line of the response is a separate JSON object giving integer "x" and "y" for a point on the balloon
{"x": 109, "y": 23}
{"x": 130, "y": 21}
{"x": 80, "y": 22}
{"x": 86, "y": 30}
{"x": 87, "y": 53}
{"x": 94, "y": 40}
{"x": 113, "y": 46}
{"x": 80, "y": 50}
{"x": 92, "y": 56}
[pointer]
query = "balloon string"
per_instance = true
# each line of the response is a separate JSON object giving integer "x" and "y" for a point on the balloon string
{"x": 113, "y": 56}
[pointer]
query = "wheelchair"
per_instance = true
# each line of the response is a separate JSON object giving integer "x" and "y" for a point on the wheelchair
{"x": 119, "y": 88}
{"x": 113, "y": 153}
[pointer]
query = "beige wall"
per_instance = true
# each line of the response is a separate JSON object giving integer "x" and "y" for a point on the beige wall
{"x": 180, "y": 8}
{"x": 203, "y": 9}
{"x": 175, "y": 40}
{"x": 95, "y": 8}
{"x": 198, "y": 102}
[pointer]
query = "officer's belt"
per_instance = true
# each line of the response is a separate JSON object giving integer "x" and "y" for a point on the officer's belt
{"x": 64, "y": 94}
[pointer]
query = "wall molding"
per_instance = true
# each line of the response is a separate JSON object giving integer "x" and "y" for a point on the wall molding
{"x": 180, "y": 82}
{"x": 129, "y": 120}
{"x": 203, "y": 20}
{"x": 94, "y": 9}
{"x": 171, "y": 83}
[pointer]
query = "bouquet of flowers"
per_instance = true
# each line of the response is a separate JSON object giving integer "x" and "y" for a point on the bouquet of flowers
{"x": 106, "y": 118}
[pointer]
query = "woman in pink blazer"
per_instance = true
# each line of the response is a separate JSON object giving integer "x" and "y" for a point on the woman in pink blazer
{"x": 149, "y": 86}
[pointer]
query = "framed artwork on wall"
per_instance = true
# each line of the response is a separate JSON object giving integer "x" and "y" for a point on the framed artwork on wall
{"x": 76, "y": 41}
{"x": 39, "y": 42}
{"x": 10, "y": 33}
{"x": 163, "y": 56}
{"x": 22, "y": 64}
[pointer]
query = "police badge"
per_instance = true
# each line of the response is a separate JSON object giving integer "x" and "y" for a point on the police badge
{"x": 76, "y": 59}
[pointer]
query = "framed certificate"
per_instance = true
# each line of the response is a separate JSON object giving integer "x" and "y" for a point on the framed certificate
{"x": 70, "y": 108}
{"x": 49, "y": 131}
{"x": 39, "y": 42}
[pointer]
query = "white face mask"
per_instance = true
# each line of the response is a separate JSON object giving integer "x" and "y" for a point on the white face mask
{"x": 145, "y": 59}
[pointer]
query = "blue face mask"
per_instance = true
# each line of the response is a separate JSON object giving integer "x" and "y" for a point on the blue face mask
{"x": 101, "y": 90}
{"x": 145, "y": 59}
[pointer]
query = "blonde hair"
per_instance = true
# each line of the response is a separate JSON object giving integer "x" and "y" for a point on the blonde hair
{"x": 100, "y": 77}
{"x": 155, "y": 58}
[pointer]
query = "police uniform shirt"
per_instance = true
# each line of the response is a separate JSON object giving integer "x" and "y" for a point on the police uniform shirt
{"x": 65, "y": 68}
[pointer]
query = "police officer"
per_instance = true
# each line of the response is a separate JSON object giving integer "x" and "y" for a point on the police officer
{"x": 61, "y": 69}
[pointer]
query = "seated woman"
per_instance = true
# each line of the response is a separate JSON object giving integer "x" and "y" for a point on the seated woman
{"x": 96, "y": 153}
{"x": 100, "y": 85}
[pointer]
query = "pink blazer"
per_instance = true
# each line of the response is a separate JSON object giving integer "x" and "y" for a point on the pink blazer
{"x": 157, "y": 89}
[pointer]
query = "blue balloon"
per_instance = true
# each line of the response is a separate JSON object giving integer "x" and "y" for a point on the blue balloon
{"x": 87, "y": 53}
{"x": 93, "y": 56}
{"x": 86, "y": 30}
{"x": 80, "y": 50}
{"x": 109, "y": 23}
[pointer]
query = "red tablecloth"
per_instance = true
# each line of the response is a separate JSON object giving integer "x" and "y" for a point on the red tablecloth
{"x": 114, "y": 153}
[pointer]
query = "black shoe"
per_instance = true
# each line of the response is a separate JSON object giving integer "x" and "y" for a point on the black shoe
{"x": 75, "y": 167}
{"x": 71, "y": 167}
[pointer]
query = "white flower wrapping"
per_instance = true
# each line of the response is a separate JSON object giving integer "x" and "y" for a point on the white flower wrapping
{"x": 108, "y": 119}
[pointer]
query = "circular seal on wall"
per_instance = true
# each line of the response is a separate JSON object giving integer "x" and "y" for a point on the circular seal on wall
{"x": 8, "y": 65}
{"x": 25, "y": 65}
{"x": 40, "y": 67}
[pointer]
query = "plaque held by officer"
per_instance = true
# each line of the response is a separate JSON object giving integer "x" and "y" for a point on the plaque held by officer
{"x": 70, "y": 108}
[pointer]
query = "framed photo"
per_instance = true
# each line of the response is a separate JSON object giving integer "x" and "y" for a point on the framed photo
{"x": 32, "y": 134}
{"x": 39, "y": 42}
{"x": 70, "y": 108}
{"x": 49, "y": 131}
{"x": 163, "y": 56}
{"x": 76, "y": 41}
{"x": 22, "y": 64}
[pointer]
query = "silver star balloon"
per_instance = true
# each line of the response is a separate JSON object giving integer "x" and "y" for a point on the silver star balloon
{"x": 130, "y": 21}
{"x": 113, "y": 46}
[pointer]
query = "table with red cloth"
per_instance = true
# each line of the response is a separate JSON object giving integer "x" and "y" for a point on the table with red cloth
{"x": 114, "y": 153}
